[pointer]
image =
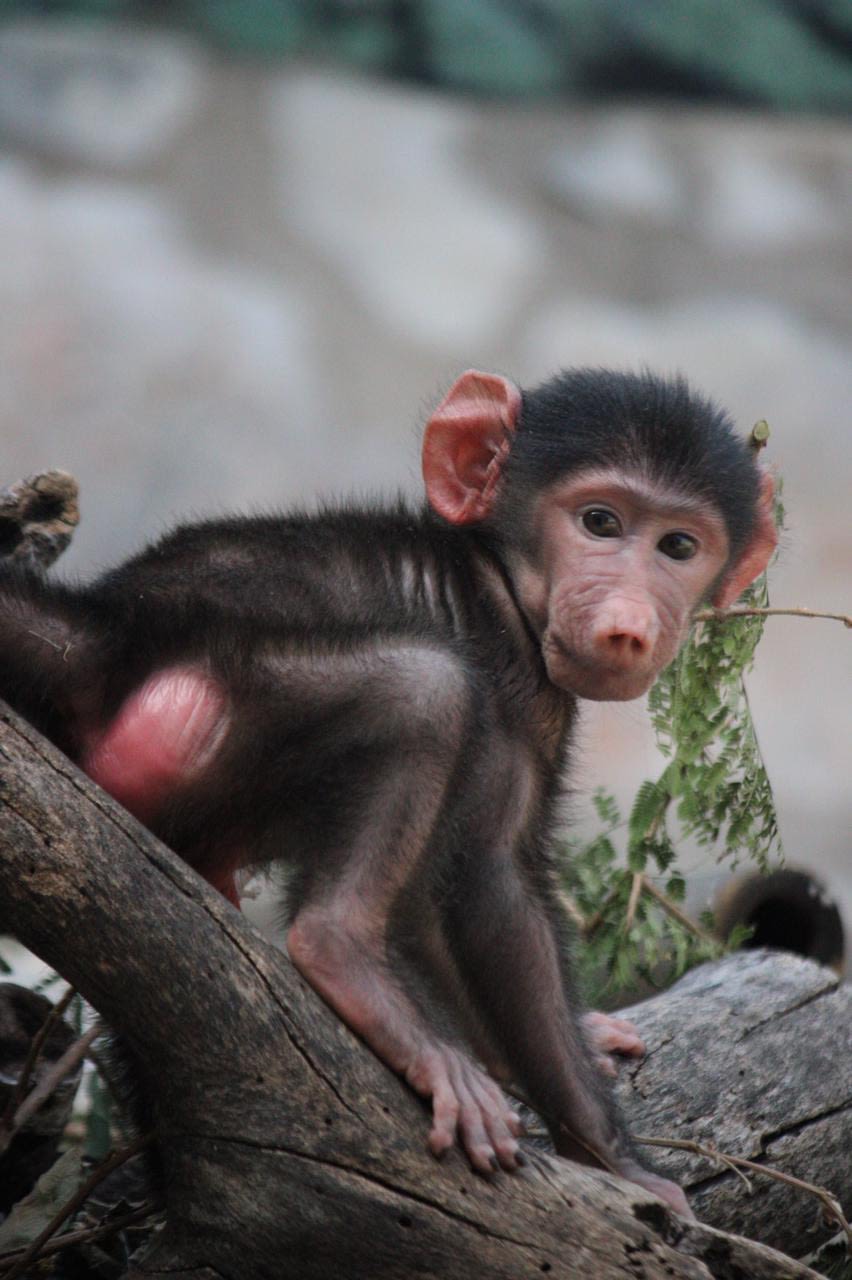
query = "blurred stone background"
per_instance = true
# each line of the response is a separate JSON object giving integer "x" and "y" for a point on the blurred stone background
{"x": 237, "y": 283}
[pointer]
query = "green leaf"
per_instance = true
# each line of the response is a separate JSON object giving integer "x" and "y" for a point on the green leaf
{"x": 31, "y": 1215}
{"x": 648, "y": 808}
{"x": 676, "y": 888}
{"x": 637, "y": 858}
{"x": 606, "y": 807}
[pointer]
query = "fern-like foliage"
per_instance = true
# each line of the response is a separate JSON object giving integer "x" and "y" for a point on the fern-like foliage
{"x": 702, "y": 722}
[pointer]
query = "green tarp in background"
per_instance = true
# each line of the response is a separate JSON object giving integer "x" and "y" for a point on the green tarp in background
{"x": 787, "y": 54}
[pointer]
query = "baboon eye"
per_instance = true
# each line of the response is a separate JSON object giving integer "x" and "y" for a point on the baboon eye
{"x": 601, "y": 523}
{"x": 678, "y": 546}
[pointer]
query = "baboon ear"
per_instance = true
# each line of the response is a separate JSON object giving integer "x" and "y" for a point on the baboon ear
{"x": 466, "y": 442}
{"x": 757, "y": 553}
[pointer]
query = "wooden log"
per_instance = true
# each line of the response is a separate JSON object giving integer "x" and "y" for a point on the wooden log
{"x": 751, "y": 1055}
{"x": 288, "y": 1149}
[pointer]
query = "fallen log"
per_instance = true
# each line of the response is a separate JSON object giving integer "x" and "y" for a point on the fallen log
{"x": 751, "y": 1055}
{"x": 287, "y": 1149}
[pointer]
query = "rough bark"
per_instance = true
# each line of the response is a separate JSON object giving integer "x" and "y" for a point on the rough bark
{"x": 752, "y": 1055}
{"x": 288, "y": 1149}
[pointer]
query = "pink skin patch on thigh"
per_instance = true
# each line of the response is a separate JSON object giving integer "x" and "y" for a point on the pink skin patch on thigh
{"x": 164, "y": 734}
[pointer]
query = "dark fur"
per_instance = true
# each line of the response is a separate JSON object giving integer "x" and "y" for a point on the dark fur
{"x": 634, "y": 422}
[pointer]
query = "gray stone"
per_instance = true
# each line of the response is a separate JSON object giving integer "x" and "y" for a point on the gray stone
{"x": 165, "y": 379}
{"x": 96, "y": 93}
{"x": 754, "y": 200}
{"x": 621, "y": 172}
{"x": 374, "y": 177}
{"x": 739, "y": 184}
{"x": 760, "y": 360}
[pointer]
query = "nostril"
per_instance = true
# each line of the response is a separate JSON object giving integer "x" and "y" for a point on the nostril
{"x": 626, "y": 643}
{"x": 625, "y": 649}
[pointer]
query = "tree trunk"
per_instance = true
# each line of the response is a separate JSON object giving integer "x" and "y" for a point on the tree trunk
{"x": 752, "y": 1055}
{"x": 288, "y": 1149}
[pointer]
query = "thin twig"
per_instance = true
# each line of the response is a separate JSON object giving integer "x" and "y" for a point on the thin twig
{"x": 759, "y": 435}
{"x": 571, "y": 909}
{"x": 54, "y": 1077}
{"x": 633, "y": 901}
{"x": 674, "y": 911}
{"x": 834, "y": 1212}
{"x": 658, "y": 818}
{"x": 595, "y": 920}
{"x": 84, "y": 1235}
{"x": 639, "y": 879}
{"x": 747, "y": 611}
{"x": 112, "y": 1162}
{"x": 36, "y": 1046}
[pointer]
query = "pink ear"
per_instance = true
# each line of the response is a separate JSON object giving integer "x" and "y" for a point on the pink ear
{"x": 465, "y": 444}
{"x": 756, "y": 555}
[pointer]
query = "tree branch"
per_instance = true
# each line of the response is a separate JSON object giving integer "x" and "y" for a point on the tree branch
{"x": 748, "y": 611}
{"x": 287, "y": 1149}
{"x": 834, "y": 1212}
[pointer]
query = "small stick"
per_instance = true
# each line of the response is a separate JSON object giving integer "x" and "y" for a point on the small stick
{"x": 595, "y": 921}
{"x": 36, "y": 1046}
{"x": 84, "y": 1235}
{"x": 674, "y": 911}
{"x": 759, "y": 435}
{"x": 113, "y": 1161}
{"x": 645, "y": 886}
{"x": 54, "y": 1077}
{"x": 747, "y": 611}
{"x": 571, "y": 909}
{"x": 829, "y": 1202}
{"x": 633, "y": 901}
